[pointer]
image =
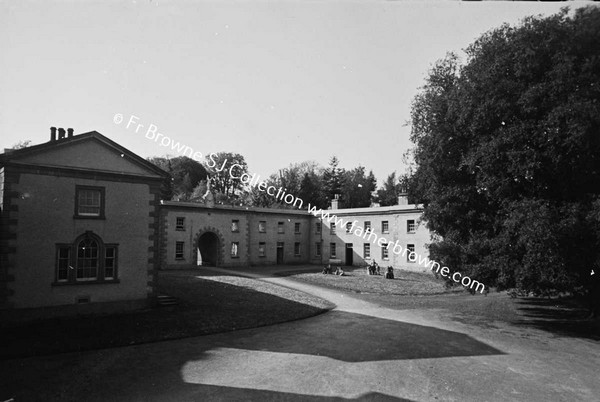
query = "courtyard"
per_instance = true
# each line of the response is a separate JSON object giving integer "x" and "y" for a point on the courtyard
{"x": 291, "y": 333}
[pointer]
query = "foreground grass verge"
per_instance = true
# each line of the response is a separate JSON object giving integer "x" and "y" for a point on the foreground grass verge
{"x": 207, "y": 305}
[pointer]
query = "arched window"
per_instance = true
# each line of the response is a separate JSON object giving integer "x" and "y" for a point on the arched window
{"x": 87, "y": 259}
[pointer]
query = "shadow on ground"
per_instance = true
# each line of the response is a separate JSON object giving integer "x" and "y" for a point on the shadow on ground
{"x": 563, "y": 317}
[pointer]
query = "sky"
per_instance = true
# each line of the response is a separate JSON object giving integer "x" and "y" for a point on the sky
{"x": 276, "y": 81}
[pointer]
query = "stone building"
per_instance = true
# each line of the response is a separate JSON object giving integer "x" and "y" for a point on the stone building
{"x": 194, "y": 235}
{"x": 84, "y": 230}
{"x": 79, "y": 217}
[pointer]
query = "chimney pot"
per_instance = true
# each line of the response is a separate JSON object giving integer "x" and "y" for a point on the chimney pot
{"x": 52, "y": 133}
{"x": 61, "y": 133}
{"x": 69, "y": 132}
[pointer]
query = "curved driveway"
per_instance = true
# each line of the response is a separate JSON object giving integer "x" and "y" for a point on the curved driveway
{"x": 358, "y": 351}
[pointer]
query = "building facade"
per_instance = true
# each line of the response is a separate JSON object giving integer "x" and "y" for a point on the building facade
{"x": 195, "y": 235}
{"x": 83, "y": 229}
{"x": 79, "y": 216}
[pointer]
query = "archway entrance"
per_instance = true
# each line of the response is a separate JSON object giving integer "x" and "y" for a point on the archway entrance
{"x": 208, "y": 250}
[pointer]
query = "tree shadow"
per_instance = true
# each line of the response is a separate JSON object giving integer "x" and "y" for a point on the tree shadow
{"x": 562, "y": 317}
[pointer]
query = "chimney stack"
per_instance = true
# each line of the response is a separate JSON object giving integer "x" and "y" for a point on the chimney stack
{"x": 52, "y": 133}
{"x": 61, "y": 133}
{"x": 69, "y": 132}
{"x": 335, "y": 202}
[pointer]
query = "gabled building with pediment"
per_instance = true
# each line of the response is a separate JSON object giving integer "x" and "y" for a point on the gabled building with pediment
{"x": 79, "y": 219}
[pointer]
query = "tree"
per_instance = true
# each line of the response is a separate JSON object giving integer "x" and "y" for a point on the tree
{"x": 507, "y": 154}
{"x": 184, "y": 175}
{"x": 388, "y": 195}
{"x": 225, "y": 170}
{"x": 356, "y": 188}
{"x": 21, "y": 144}
{"x": 332, "y": 178}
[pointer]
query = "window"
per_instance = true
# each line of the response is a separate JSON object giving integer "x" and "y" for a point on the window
{"x": 385, "y": 227}
{"x": 63, "y": 263}
{"x": 262, "y": 226}
{"x": 297, "y": 227}
{"x": 367, "y": 225}
{"x": 235, "y": 249}
{"x": 332, "y": 228}
{"x": 235, "y": 225}
{"x": 318, "y": 227}
{"x": 261, "y": 249}
{"x": 410, "y": 249}
{"x": 89, "y": 202}
{"x": 179, "y": 250}
{"x": 317, "y": 249}
{"x": 348, "y": 227}
{"x": 332, "y": 250}
{"x": 384, "y": 251}
{"x": 367, "y": 250}
{"x": 180, "y": 223}
{"x": 87, "y": 259}
{"x": 410, "y": 226}
{"x": 280, "y": 228}
{"x": 110, "y": 262}
{"x": 297, "y": 249}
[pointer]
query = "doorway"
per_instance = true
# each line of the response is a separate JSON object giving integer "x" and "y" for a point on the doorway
{"x": 208, "y": 250}
{"x": 349, "y": 254}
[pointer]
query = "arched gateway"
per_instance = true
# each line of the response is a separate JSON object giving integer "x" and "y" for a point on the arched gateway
{"x": 209, "y": 245}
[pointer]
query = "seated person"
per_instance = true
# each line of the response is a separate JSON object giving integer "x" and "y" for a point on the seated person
{"x": 326, "y": 269}
{"x": 390, "y": 273}
{"x": 339, "y": 271}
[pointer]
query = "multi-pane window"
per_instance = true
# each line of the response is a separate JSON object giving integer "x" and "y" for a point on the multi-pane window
{"x": 179, "y": 250}
{"x": 262, "y": 249}
{"x": 410, "y": 226}
{"x": 410, "y": 249}
{"x": 318, "y": 227}
{"x": 86, "y": 259}
{"x": 280, "y": 228}
{"x": 180, "y": 223}
{"x": 89, "y": 201}
{"x": 262, "y": 226}
{"x": 348, "y": 227}
{"x": 367, "y": 250}
{"x": 385, "y": 227}
{"x": 297, "y": 227}
{"x": 332, "y": 228}
{"x": 235, "y": 225}
{"x": 367, "y": 225}
{"x": 297, "y": 248}
{"x": 318, "y": 249}
{"x": 110, "y": 262}
{"x": 235, "y": 249}
{"x": 62, "y": 264}
{"x": 332, "y": 250}
{"x": 384, "y": 251}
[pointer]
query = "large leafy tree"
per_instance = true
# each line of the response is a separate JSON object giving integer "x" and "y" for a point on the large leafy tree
{"x": 225, "y": 170}
{"x": 356, "y": 188}
{"x": 507, "y": 154}
{"x": 184, "y": 175}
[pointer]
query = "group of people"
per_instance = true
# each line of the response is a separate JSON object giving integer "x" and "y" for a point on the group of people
{"x": 374, "y": 269}
{"x": 327, "y": 269}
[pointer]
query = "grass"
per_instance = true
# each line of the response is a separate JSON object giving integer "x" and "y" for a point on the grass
{"x": 208, "y": 304}
{"x": 357, "y": 280}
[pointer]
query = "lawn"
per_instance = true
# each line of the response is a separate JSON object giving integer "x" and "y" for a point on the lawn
{"x": 208, "y": 304}
{"x": 357, "y": 280}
